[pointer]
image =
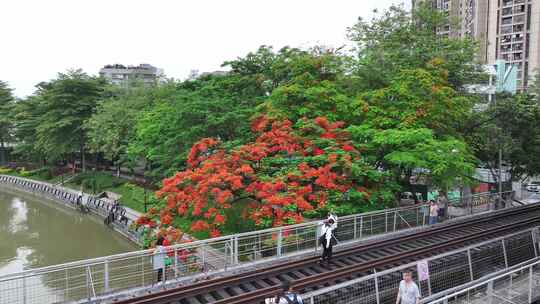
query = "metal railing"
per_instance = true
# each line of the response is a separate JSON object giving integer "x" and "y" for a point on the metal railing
{"x": 521, "y": 285}
{"x": 435, "y": 274}
{"x": 99, "y": 277}
{"x": 69, "y": 198}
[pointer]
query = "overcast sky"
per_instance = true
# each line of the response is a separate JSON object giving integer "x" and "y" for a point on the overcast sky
{"x": 43, "y": 37}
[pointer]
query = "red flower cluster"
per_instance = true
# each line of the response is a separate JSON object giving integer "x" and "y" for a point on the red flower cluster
{"x": 274, "y": 175}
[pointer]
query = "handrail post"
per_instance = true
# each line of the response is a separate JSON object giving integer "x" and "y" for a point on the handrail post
{"x": 530, "y": 283}
{"x": 395, "y": 219}
{"x": 386, "y": 222}
{"x": 279, "y": 242}
{"x": 490, "y": 292}
{"x": 354, "y": 229}
{"x": 106, "y": 276}
{"x": 24, "y": 289}
{"x": 176, "y": 262}
{"x": 88, "y": 284}
{"x": 535, "y": 240}
{"x": 361, "y": 226}
{"x": 504, "y": 254}
{"x": 236, "y": 250}
{"x": 470, "y": 264}
{"x": 376, "y": 278}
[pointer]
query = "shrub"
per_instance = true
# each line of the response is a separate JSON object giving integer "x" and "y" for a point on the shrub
{"x": 5, "y": 170}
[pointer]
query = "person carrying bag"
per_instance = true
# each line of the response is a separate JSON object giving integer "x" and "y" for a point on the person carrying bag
{"x": 327, "y": 238}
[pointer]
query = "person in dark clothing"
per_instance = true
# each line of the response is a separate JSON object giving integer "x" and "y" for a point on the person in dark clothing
{"x": 289, "y": 296}
{"x": 327, "y": 238}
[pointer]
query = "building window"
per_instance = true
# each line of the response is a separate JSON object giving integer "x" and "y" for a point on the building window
{"x": 506, "y": 29}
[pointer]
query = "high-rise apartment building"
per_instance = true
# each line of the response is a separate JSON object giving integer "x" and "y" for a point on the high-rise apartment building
{"x": 124, "y": 75}
{"x": 505, "y": 29}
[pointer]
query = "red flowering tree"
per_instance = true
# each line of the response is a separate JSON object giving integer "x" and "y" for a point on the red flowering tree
{"x": 288, "y": 172}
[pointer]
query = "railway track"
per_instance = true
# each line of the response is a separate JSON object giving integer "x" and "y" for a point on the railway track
{"x": 350, "y": 263}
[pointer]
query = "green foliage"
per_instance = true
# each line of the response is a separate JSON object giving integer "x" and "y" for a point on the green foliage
{"x": 66, "y": 103}
{"x": 98, "y": 181}
{"x": 399, "y": 39}
{"x": 110, "y": 129}
{"x": 5, "y": 170}
{"x": 510, "y": 123}
{"x": 412, "y": 125}
{"x": 213, "y": 106}
{"x": 6, "y": 123}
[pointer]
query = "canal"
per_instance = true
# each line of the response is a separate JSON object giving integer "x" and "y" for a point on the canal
{"x": 37, "y": 232}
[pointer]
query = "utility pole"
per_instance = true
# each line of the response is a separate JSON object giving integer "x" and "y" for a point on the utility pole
{"x": 500, "y": 174}
{"x": 492, "y": 99}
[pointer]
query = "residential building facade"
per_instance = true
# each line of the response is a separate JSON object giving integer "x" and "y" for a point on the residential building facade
{"x": 504, "y": 29}
{"x": 125, "y": 75}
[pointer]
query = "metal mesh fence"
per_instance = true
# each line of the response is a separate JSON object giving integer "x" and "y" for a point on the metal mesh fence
{"x": 442, "y": 273}
{"x": 518, "y": 286}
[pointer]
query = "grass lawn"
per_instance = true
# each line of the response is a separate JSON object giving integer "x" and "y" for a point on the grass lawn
{"x": 97, "y": 182}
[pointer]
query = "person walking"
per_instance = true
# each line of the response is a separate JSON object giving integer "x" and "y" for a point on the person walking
{"x": 433, "y": 212}
{"x": 80, "y": 197}
{"x": 289, "y": 296}
{"x": 408, "y": 292}
{"x": 158, "y": 259}
{"x": 327, "y": 238}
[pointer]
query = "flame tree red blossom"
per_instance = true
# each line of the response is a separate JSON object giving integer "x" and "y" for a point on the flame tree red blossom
{"x": 289, "y": 171}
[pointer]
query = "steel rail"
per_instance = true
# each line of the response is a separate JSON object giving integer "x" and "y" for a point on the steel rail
{"x": 256, "y": 296}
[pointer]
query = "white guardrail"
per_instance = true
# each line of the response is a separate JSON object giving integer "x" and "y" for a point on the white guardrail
{"x": 93, "y": 278}
{"x": 518, "y": 286}
{"x": 442, "y": 274}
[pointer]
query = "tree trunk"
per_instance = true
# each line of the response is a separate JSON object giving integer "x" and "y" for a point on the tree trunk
{"x": 83, "y": 159}
{"x": 2, "y": 151}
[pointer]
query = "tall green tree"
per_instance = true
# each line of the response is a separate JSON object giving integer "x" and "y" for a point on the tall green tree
{"x": 409, "y": 129}
{"x": 111, "y": 128}
{"x": 400, "y": 39}
{"x": 66, "y": 103}
{"x": 510, "y": 124}
{"x": 6, "y": 102}
{"x": 187, "y": 112}
{"x": 26, "y": 114}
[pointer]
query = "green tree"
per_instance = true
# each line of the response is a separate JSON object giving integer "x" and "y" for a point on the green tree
{"x": 399, "y": 39}
{"x": 511, "y": 124}
{"x": 27, "y": 115}
{"x": 66, "y": 103}
{"x": 187, "y": 112}
{"x": 6, "y": 102}
{"x": 110, "y": 129}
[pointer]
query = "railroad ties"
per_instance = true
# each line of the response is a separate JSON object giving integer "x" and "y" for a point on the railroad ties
{"x": 366, "y": 257}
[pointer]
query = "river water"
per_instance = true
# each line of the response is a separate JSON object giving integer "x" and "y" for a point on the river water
{"x": 36, "y": 232}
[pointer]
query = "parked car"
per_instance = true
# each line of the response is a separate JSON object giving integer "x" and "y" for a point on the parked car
{"x": 533, "y": 199}
{"x": 407, "y": 198}
{"x": 533, "y": 187}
